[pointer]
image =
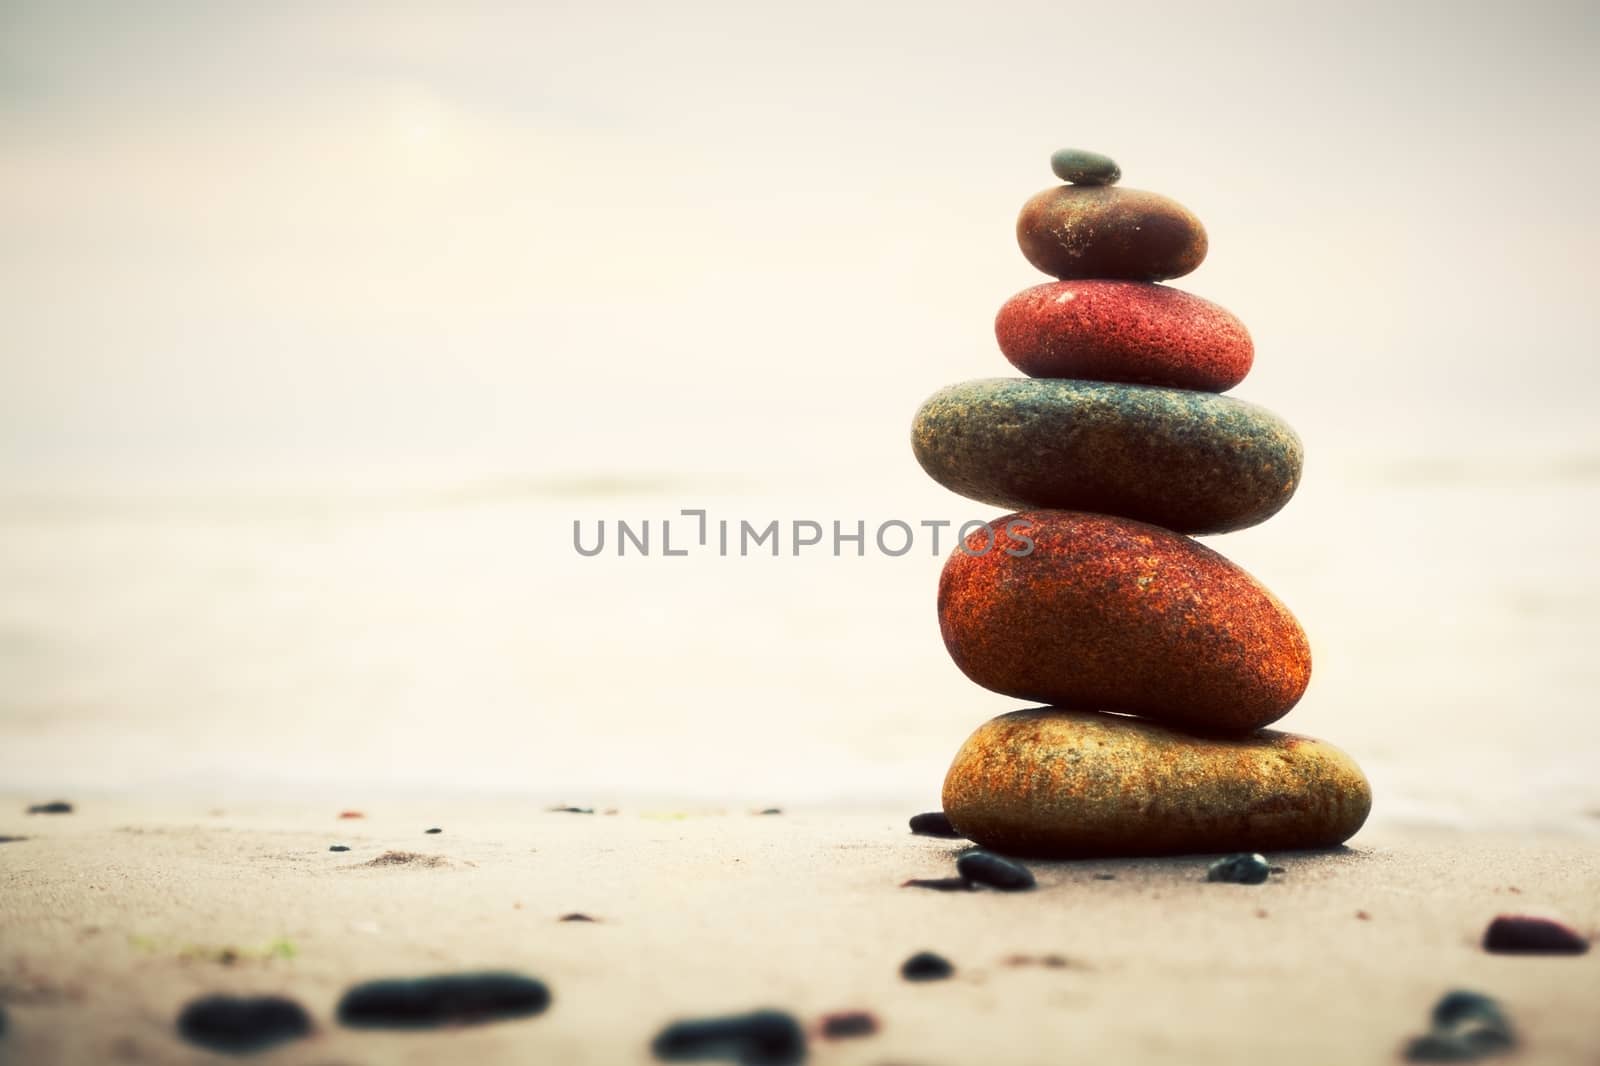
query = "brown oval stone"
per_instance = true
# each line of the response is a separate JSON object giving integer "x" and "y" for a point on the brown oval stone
{"x": 1057, "y": 783}
{"x": 1109, "y": 614}
{"x": 1106, "y": 231}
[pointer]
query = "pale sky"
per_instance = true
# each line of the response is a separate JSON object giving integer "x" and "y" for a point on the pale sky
{"x": 743, "y": 237}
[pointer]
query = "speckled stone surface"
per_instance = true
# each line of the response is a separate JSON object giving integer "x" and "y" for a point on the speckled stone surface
{"x": 1053, "y": 783}
{"x": 1190, "y": 461}
{"x": 1129, "y": 331}
{"x": 1082, "y": 167}
{"x": 1102, "y": 231}
{"x": 1109, "y": 614}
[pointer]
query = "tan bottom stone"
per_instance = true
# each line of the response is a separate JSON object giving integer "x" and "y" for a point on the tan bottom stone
{"x": 1049, "y": 782}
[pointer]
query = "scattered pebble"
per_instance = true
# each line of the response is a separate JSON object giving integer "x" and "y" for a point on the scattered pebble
{"x": 1532, "y": 934}
{"x": 577, "y": 916}
{"x": 926, "y": 966}
{"x": 242, "y": 1023}
{"x": 339, "y": 847}
{"x": 1081, "y": 167}
{"x": 760, "y": 1037}
{"x": 55, "y": 807}
{"x": 1465, "y": 1026}
{"x": 1243, "y": 868}
{"x": 449, "y": 999}
{"x": 933, "y": 824}
{"x": 351, "y": 814}
{"x": 408, "y": 858}
{"x": 1105, "y": 877}
{"x": 571, "y": 810}
{"x": 771, "y": 810}
{"x": 843, "y": 1024}
{"x": 435, "y": 829}
{"x": 1052, "y": 961}
{"x": 941, "y": 884}
{"x": 1363, "y": 916}
{"x": 11, "y": 840}
{"x": 987, "y": 868}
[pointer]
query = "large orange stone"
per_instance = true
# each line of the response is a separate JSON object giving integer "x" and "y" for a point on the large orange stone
{"x": 1110, "y": 614}
{"x": 1056, "y": 783}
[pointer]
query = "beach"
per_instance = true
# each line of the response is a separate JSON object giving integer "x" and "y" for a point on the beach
{"x": 114, "y": 916}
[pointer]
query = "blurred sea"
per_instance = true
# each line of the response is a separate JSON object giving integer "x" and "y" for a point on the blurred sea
{"x": 447, "y": 637}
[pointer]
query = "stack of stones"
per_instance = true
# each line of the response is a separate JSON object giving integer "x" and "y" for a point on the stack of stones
{"x": 1159, "y": 660}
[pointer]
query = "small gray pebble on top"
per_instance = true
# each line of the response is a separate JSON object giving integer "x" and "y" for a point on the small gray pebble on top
{"x": 1085, "y": 168}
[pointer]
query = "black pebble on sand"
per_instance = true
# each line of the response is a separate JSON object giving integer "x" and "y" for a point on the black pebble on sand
{"x": 770, "y": 1037}
{"x": 11, "y": 840}
{"x": 941, "y": 884}
{"x": 1105, "y": 877}
{"x": 449, "y": 999}
{"x": 55, "y": 807}
{"x": 926, "y": 966}
{"x": 242, "y": 1023}
{"x": 933, "y": 824}
{"x": 435, "y": 829}
{"x": 771, "y": 810}
{"x": 577, "y": 916}
{"x": 1243, "y": 868}
{"x": 571, "y": 810}
{"x": 1466, "y": 1026}
{"x": 339, "y": 847}
{"x": 987, "y": 868}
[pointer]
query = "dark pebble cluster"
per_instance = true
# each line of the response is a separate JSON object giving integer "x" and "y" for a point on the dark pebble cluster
{"x": 759, "y": 1038}
{"x": 979, "y": 867}
{"x": 451, "y": 999}
{"x": 243, "y": 1023}
{"x": 933, "y": 824}
{"x": 1244, "y": 868}
{"x": 54, "y": 807}
{"x": 926, "y": 966}
{"x": 1464, "y": 1026}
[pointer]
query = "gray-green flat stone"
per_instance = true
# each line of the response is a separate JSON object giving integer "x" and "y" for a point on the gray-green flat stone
{"x": 1192, "y": 462}
{"x": 1084, "y": 168}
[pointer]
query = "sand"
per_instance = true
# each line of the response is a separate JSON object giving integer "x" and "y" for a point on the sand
{"x": 112, "y": 917}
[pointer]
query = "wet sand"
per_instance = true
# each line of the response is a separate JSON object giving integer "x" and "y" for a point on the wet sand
{"x": 111, "y": 918}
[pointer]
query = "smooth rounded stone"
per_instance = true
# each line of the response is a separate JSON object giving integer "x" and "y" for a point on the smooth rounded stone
{"x": 932, "y": 824}
{"x": 53, "y": 807}
{"x": 1082, "y": 167}
{"x": 845, "y": 1024}
{"x": 762, "y": 1036}
{"x": 1129, "y": 331}
{"x": 1110, "y": 614}
{"x": 1465, "y": 1026}
{"x": 1099, "y": 231}
{"x": 987, "y": 868}
{"x": 927, "y": 966}
{"x": 1190, "y": 461}
{"x": 1241, "y": 868}
{"x": 241, "y": 1024}
{"x": 448, "y": 999}
{"x": 1072, "y": 784}
{"x": 1533, "y": 934}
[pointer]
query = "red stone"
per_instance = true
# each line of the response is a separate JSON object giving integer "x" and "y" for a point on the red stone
{"x": 1533, "y": 934}
{"x": 1091, "y": 612}
{"x": 1126, "y": 331}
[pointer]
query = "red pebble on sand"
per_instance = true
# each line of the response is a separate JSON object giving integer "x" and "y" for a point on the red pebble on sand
{"x": 1532, "y": 934}
{"x": 1126, "y": 331}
